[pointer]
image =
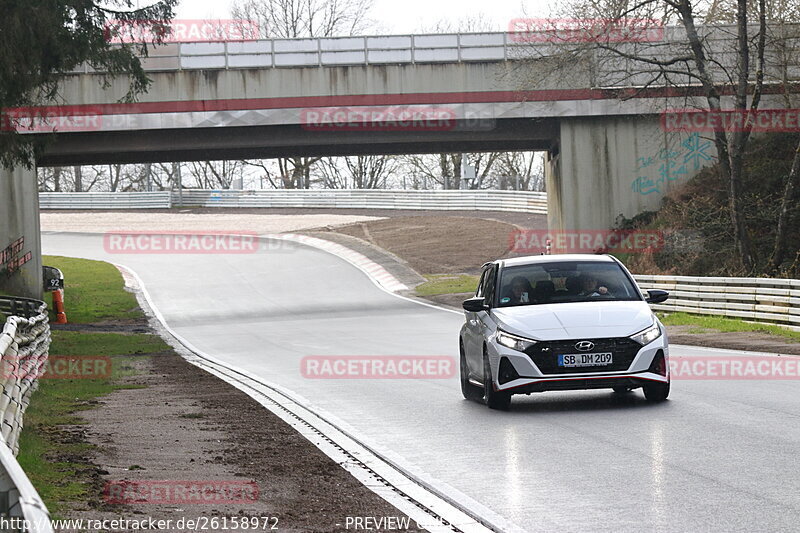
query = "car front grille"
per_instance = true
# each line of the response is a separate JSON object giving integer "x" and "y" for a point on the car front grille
{"x": 545, "y": 354}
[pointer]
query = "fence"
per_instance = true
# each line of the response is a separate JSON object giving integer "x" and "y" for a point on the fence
{"x": 483, "y": 200}
{"x": 24, "y": 346}
{"x": 775, "y": 301}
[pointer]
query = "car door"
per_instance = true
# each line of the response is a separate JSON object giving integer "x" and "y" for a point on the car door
{"x": 472, "y": 342}
{"x": 477, "y": 322}
{"x": 486, "y": 325}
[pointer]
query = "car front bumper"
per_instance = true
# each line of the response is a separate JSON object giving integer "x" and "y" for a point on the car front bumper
{"x": 524, "y": 376}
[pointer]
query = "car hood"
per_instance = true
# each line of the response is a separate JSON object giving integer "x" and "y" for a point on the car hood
{"x": 580, "y": 320}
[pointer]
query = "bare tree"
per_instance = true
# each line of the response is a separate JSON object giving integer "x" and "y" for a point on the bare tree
{"x": 444, "y": 170}
{"x": 215, "y": 174}
{"x": 700, "y": 61}
{"x": 527, "y": 167}
{"x": 290, "y": 19}
{"x": 357, "y": 172}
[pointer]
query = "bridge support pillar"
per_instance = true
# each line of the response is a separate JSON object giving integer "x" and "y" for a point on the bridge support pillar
{"x": 604, "y": 167}
{"x": 20, "y": 233}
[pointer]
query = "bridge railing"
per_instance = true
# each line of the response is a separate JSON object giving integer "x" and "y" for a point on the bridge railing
{"x": 430, "y": 48}
{"x": 444, "y": 200}
{"x": 769, "y": 300}
{"x": 24, "y": 346}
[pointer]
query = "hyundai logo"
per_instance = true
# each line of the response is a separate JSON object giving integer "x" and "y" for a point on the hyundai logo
{"x": 584, "y": 346}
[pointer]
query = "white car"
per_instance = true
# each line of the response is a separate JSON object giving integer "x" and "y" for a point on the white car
{"x": 561, "y": 322}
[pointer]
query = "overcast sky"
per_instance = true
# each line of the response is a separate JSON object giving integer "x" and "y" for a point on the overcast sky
{"x": 404, "y": 16}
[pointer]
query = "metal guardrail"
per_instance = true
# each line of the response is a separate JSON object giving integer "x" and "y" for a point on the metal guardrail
{"x": 532, "y": 202}
{"x": 773, "y": 301}
{"x": 483, "y": 200}
{"x": 105, "y": 200}
{"x": 24, "y": 346}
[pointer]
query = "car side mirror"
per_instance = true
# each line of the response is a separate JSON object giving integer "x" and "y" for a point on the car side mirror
{"x": 475, "y": 305}
{"x": 656, "y": 296}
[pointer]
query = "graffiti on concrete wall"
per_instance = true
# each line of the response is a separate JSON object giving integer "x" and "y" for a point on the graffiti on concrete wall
{"x": 654, "y": 172}
{"x": 12, "y": 258}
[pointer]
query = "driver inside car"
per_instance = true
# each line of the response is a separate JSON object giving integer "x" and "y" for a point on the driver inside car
{"x": 521, "y": 290}
{"x": 590, "y": 287}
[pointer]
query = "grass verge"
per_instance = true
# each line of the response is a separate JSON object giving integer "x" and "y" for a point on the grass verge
{"x": 94, "y": 291}
{"x": 53, "y": 451}
{"x": 447, "y": 284}
{"x": 713, "y": 323}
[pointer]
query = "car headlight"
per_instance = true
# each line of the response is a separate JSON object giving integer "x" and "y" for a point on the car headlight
{"x": 514, "y": 342}
{"x": 647, "y": 336}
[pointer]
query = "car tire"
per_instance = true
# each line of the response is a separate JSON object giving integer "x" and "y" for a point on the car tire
{"x": 470, "y": 391}
{"x": 494, "y": 399}
{"x": 621, "y": 389}
{"x": 656, "y": 391}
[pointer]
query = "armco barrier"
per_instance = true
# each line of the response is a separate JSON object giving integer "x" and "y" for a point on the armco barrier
{"x": 483, "y": 200}
{"x": 24, "y": 346}
{"x": 105, "y": 200}
{"x": 775, "y": 301}
{"x": 444, "y": 200}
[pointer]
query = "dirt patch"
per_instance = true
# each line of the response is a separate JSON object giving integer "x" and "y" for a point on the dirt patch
{"x": 188, "y": 425}
{"x": 136, "y": 325}
{"x": 437, "y": 244}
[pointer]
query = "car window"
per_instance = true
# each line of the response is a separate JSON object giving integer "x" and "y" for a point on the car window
{"x": 565, "y": 281}
{"x": 488, "y": 289}
{"x": 479, "y": 290}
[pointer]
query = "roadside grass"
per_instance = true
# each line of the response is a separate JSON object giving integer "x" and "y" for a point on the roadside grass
{"x": 447, "y": 284}
{"x": 52, "y": 454}
{"x": 94, "y": 291}
{"x": 713, "y": 323}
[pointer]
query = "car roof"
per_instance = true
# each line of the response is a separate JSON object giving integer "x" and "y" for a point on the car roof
{"x": 541, "y": 259}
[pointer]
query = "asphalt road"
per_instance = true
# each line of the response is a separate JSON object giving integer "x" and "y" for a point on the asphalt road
{"x": 719, "y": 456}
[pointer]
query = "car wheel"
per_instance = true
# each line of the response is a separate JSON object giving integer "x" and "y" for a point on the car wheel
{"x": 470, "y": 391}
{"x": 656, "y": 392}
{"x": 621, "y": 389}
{"x": 494, "y": 399}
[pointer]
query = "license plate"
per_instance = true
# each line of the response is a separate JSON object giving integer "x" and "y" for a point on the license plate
{"x": 585, "y": 359}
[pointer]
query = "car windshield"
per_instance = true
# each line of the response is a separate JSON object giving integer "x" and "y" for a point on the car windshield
{"x": 567, "y": 281}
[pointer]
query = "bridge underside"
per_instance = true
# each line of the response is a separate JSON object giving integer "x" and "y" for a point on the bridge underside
{"x": 252, "y": 142}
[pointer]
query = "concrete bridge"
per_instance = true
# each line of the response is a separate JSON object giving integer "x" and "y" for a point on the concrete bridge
{"x": 608, "y": 153}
